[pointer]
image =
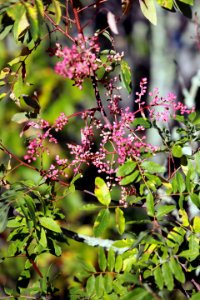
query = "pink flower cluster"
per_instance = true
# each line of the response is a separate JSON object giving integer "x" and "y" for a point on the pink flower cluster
{"x": 159, "y": 108}
{"x": 82, "y": 60}
{"x": 118, "y": 142}
{"x": 79, "y": 61}
{"x": 105, "y": 144}
{"x": 39, "y": 145}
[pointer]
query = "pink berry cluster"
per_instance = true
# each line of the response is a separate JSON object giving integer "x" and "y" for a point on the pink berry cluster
{"x": 160, "y": 108}
{"x": 106, "y": 144}
{"x": 79, "y": 61}
{"x": 82, "y": 60}
{"x": 38, "y": 145}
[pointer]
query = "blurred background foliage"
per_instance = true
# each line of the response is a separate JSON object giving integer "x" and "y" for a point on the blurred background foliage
{"x": 168, "y": 55}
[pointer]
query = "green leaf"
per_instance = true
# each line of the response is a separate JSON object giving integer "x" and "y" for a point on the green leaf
{"x": 118, "y": 264}
{"x": 153, "y": 167}
{"x": 137, "y": 294}
{"x": 189, "y": 2}
{"x": 158, "y": 277}
{"x": 196, "y": 224}
{"x": 50, "y": 224}
{"x": 166, "y": 3}
{"x": 127, "y": 168}
{"x": 54, "y": 247}
{"x": 183, "y": 7}
{"x": 195, "y": 199}
{"x": 4, "y": 208}
{"x": 58, "y": 12}
{"x": 108, "y": 283}
{"x": 90, "y": 285}
{"x": 43, "y": 238}
{"x": 3, "y": 95}
{"x": 180, "y": 182}
{"x": 5, "y": 32}
{"x": 32, "y": 16}
{"x": 163, "y": 210}
{"x": 126, "y": 75}
{"x": 195, "y": 296}
{"x": 167, "y": 276}
{"x": 142, "y": 122}
{"x": 102, "y": 259}
{"x": 31, "y": 207}
{"x": 102, "y": 191}
{"x": 99, "y": 285}
{"x": 19, "y": 118}
{"x": 177, "y": 270}
{"x": 149, "y": 10}
{"x": 111, "y": 260}
{"x": 130, "y": 178}
{"x": 20, "y": 26}
{"x": 101, "y": 222}
{"x": 177, "y": 151}
{"x": 40, "y": 11}
{"x": 89, "y": 207}
{"x": 120, "y": 220}
{"x": 150, "y": 204}
{"x": 193, "y": 251}
{"x": 14, "y": 61}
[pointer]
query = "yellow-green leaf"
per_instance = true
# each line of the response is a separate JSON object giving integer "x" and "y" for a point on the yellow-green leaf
{"x": 57, "y": 9}
{"x": 50, "y": 224}
{"x": 102, "y": 191}
{"x": 196, "y": 224}
{"x": 149, "y": 10}
{"x": 120, "y": 220}
{"x": 166, "y": 3}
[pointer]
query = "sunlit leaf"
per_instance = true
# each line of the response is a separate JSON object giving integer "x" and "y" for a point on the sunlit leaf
{"x": 166, "y": 3}
{"x": 177, "y": 151}
{"x": 102, "y": 191}
{"x": 149, "y": 10}
{"x": 196, "y": 224}
{"x": 50, "y": 224}
{"x": 58, "y": 12}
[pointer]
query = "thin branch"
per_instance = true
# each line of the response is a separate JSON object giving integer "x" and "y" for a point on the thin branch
{"x": 58, "y": 27}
